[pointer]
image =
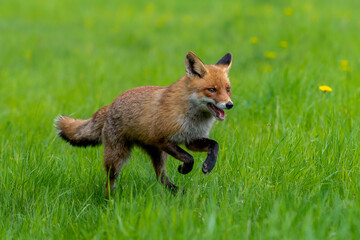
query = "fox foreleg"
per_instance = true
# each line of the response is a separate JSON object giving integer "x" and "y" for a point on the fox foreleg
{"x": 206, "y": 145}
{"x": 180, "y": 154}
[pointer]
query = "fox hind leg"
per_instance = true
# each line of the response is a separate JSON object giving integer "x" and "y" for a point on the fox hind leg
{"x": 158, "y": 159}
{"x": 115, "y": 158}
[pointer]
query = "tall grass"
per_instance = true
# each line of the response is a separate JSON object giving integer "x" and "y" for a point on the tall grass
{"x": 288, "y": 166}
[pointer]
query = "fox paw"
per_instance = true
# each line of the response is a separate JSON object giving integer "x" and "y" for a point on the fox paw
{"x": 176, "y": 190}
{"x": 185, "y": 169}
{"x": 172, "y": 188}
{"x": 206, "y": 168}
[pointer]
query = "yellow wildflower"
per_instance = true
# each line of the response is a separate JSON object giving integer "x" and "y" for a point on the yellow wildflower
{"x": 163, "y": 19}
{"x": 28, "y": 55}
{"x": 325, "y": 88}
{"x": 284, "y": 44}
{"x": 88, "y": 23}
{"x": 344, "y": 65}
{"x": 254, "y": 40}
{"x": 149, "y": 8}
{"x": 270, "y": 55}
{"x": 266, "y": 68}
{"x": 186, "y": 19}
{"x": 288, "y": 11}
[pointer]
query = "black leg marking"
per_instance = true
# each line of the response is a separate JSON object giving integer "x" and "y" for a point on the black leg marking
{"x": 209, "y": 146}
{"x": 180, "y": 154}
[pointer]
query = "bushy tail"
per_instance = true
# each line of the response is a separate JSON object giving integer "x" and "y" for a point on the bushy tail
{"x": 79, "y": 132}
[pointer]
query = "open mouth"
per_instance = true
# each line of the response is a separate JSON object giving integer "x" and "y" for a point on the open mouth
{"x": 218, "y": 113}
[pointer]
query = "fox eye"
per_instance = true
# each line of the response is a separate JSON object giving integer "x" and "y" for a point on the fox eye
{"x": 228, "y": 89}
{"x": 212, "y": 90}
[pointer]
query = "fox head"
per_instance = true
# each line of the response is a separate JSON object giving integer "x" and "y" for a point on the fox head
{"x": 210, "y": 84}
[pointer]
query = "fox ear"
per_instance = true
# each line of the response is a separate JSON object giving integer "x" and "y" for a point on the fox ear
{"x": 225, "y": 62}
{"x": 194, "y": 66}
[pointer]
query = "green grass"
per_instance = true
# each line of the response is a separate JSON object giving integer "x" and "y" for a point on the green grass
{"x": 288, "y": 166}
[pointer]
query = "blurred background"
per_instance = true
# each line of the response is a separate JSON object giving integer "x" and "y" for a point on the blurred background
{"x": 93, "y": 50}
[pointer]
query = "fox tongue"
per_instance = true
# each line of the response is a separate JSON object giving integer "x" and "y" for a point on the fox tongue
{"x": 216, "y": 112}
{"x": 222, "y": 114}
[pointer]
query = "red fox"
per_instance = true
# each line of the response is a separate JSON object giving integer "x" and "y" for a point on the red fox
{"x": 158, "y": 119}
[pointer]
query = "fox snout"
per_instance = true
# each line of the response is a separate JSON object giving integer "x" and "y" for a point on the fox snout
{"x": 229, "y": 105}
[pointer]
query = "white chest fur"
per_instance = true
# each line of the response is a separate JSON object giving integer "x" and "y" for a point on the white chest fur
{"x": 196, "y": 124}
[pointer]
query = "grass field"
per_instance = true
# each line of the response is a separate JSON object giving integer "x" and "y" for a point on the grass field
{"x": 288, "y": 166}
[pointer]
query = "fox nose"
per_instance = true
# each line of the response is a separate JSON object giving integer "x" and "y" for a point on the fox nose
{"x": 229, "y": 105}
